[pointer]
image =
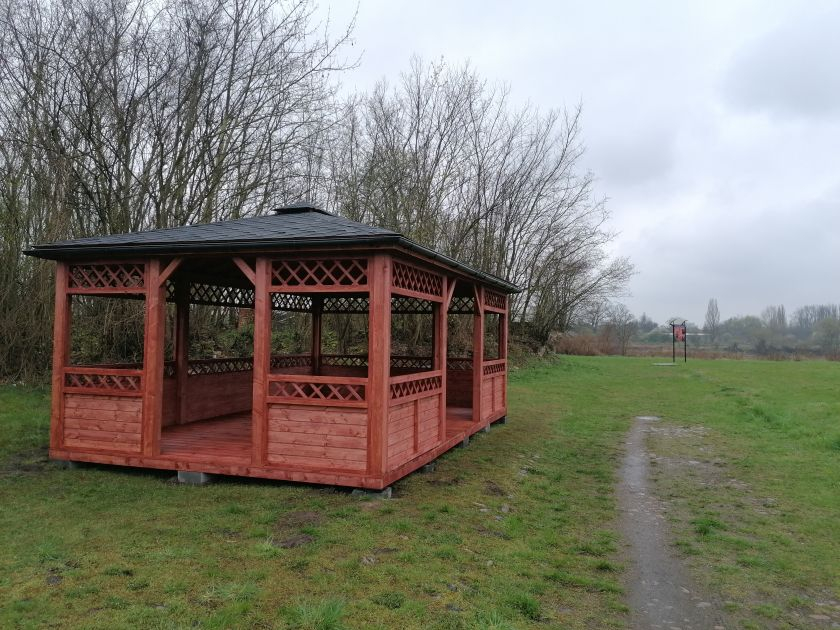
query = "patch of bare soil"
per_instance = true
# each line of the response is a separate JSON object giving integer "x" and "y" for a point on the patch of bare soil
{"x": 24, "y": 462}
{"x": 287, "y": 529}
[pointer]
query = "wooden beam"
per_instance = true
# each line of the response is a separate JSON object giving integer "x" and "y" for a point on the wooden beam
{"x": 262, "y": 361}
{"x": 61, "y": 352}
{"x": 379, "y": 363}
{"x": 448, "y": 292}
{"x": 153, "y": 343}
{"x": 245, "y": 268}
{"x": 478, "y": 351}
{"x": 168, "y": 270}
{"x": 182, "y": 346}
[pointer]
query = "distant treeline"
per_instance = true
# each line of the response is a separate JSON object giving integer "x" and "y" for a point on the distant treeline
{"x": 812, "y": 330}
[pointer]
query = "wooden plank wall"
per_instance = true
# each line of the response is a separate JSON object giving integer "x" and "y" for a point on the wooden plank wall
{"x": 318, "y": 437}
{"x": 413, "y": 428}
{"x": 459, "y": 385}
{"x": 97, "y": 422}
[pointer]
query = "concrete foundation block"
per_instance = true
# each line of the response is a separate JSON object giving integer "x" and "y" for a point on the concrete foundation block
{"x": 66, "y": 464}
{"x": 466, "y": 442}
{"x": 385, "y": 493}
{"x": 194, "y": 478}
{"x": 429, "y": 468}
{"x": 486, "y": 429}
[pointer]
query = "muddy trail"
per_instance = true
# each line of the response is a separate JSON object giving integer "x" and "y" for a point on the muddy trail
{"x": 661, "y": 594}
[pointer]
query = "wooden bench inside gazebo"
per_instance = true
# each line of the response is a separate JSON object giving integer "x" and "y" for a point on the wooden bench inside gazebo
{"x": 361, "y": 420}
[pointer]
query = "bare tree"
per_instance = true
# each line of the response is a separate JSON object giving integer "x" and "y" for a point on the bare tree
{"x": 712, "y": 325}
{"x": 623, "y": 324}
{"x": 122, "y": 115}
{"x": 445, "y": 159}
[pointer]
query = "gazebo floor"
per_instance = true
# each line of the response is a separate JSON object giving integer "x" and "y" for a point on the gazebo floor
{"x": 228, "y": 438}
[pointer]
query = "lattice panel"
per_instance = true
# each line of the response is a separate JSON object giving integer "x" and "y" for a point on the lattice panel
{"x": 214, "y": 295}
{"x": 459, "y": 364}
{"x": 291, "y": 302}
{"x": 418, "y": 363}
{"x": 496, "y": 300}
{"x": 315, "y": 273}
{"x": 344, "y": 360}
{"x": 107, "y": 276}
{"x": 346, "y": 304}
{"x": 169, "y": 369}
{"x": 220, "y": 366}
{"x": 417, "y": 386}
{"x": 332, "y": 392}
{"x": 403, "y": 304}
{"x": 411, "y": 278}
{"x": 291, "y": 361}
{"x": 109, "y": 382}
{"x": 494, "y": 368}
{"x": 462, "y": 305}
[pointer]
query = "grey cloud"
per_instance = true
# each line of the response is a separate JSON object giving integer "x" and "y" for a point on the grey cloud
{"x": 792, "y": 70}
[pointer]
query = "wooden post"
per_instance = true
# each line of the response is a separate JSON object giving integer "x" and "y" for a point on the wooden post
{"x": 315, "y": 351}
{"x": 61, "y": 354}
{"x": 182, "y": 346}
{"x": 262, "y": 361}
{"x": 153, "y": 343}
{"x": 379, "y": 363}
{"x": 439, "y": 363}
{"x": 478, "y": 352}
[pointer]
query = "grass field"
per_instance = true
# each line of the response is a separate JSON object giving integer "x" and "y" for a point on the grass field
{"x": 516, "y": 531}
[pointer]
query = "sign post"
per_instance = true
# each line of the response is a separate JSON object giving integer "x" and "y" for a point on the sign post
{"x": 679, "y": 333}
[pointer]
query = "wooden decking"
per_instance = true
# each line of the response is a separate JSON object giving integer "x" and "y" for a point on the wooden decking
{"x": 229, "y": 437}
{"x": 459, "y": 422}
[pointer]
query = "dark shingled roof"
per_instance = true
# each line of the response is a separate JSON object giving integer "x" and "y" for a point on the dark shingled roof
{"x": 296, "y": 226}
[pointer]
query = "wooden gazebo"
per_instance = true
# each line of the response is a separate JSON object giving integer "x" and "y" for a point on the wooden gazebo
{"x": 362, "y": 420}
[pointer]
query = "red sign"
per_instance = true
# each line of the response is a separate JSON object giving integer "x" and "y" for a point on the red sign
{"x": 679, "y": 333}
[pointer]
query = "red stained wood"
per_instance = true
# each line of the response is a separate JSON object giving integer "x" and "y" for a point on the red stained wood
{"x": 245, "y": 268}
{"x": 229, "y": 436}
{"x": 478, "y": 353}
{"x": 262, "y": 360}
{"x": 400, "y": 422}
{"x": 379, "y": 351}
{"x": 153, "y": 359}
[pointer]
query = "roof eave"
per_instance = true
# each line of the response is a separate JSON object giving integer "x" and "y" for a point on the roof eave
{"x": 69, "y": 252}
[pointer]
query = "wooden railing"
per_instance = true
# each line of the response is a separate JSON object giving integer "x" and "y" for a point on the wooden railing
{"x": 410, "y": 386}
{"x": 496, "y": 366}
{"x": 460, "y": 364}
{"x": 305, "y": 389}
{"x": 108, "y": 381}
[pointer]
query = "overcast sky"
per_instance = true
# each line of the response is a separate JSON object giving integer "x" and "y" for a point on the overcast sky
{"x": 712, "y": 128}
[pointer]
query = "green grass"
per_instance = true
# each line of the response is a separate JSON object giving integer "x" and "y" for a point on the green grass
{"x": 516, "y": 531}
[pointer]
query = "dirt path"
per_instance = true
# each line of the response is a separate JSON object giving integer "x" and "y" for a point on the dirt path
{"x": 660, "y": 593}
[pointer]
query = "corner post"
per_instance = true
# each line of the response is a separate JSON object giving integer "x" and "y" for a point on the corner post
{"x": 153, "y": 343}
{"x": 262, "y": 361}
{"x": 478, "y": 352}
{"x": 61, "y": 354}
{"x": 379, "y": 363}
{"x": 182, "y": 346}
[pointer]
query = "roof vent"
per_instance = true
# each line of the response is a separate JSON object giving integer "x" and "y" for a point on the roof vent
{"x": 299, "y": 207}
